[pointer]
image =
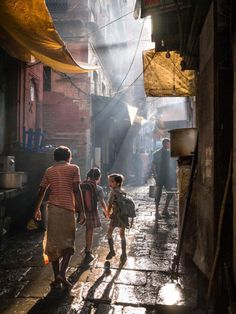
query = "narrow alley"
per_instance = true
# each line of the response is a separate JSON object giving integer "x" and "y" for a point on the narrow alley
{"x": 141, "y": 91}
{"x": 142, "y": 285}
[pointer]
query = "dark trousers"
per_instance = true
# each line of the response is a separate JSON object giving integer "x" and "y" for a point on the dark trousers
{"x": 159, "y": 193}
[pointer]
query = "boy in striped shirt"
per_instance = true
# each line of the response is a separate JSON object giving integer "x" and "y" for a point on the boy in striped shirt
{"x": 62, "y": 179}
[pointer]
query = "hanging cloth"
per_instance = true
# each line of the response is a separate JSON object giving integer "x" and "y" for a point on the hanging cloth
{"x": 163, "y": 76}
{"x": 27, "y": 32}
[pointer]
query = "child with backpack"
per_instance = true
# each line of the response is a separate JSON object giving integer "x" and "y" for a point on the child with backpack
{"x": 92, "y": 194}
{"x": 115, "y": 181}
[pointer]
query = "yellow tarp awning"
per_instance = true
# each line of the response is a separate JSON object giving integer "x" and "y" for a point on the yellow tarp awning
{"x": 164, "y": 77}
{"x": 26, "y": 30}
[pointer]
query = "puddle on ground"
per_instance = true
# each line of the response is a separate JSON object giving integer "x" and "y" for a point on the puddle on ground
{"x": 170, "y": 294}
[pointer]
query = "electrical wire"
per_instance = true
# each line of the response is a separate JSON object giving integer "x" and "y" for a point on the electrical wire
{"x": 144, "y": 70}
{"x": 177, "y": 68}
{"x": 123, "y": 42}
{"x": 109, "y": 103}
{"x": 73, "y": 83}
{"x": 111, "y": 22}
{"x": 118, "y": 90}
{"x": 135, "y": 53}
{"x": 104, "y": 26}
{"x": 135, "y": 80}
{"x": 129, "y": 86}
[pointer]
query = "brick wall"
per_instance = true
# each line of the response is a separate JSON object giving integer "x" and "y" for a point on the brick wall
{"x": 67, "y": 107}
{"x": 66, "y": 121}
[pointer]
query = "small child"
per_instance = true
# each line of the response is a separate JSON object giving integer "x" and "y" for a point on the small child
{"x": 115, "y": 181}
{"x": 92, "y": 217}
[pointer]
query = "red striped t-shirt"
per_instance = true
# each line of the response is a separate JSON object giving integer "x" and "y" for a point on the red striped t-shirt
{"x": 59, "y": 179}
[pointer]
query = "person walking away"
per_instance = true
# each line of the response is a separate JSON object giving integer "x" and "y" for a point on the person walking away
{"x": 96, "y": 195}
{"x": 164, "y": 172}
{"x": 115, "y": 181}
{"x": 62, "y": 180}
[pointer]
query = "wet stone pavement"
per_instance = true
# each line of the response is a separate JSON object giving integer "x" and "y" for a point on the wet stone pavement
{"x": 142, "y": 285}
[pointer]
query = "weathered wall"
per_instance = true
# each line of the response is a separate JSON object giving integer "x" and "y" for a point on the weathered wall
{"x": 66, "y": 116}
{"x": 234, "y": 156}
{"x": 23, "y": 105}
{"x": 11, "y": 104}
{"x": 189, "y": 231}
{"x": 32, "y": 87}
{"x": 67, "y": 123}
{"x": 205, "y": 169}
{"x": 67, "y": 106}
{"x": 2, "y": 99}
{"x": 215, "y": 121}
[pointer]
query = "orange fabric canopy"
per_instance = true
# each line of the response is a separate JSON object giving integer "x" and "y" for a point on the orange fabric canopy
{"x": 26, "y": 30}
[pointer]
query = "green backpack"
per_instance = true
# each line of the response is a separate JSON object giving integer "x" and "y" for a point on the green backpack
{"x": 126, "y": 205}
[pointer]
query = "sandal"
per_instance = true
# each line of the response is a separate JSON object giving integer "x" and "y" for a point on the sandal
{"x": 82, "y": 222}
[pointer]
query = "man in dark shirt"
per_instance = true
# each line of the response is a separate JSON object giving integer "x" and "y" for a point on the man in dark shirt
{"x": 164, "y": 172}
